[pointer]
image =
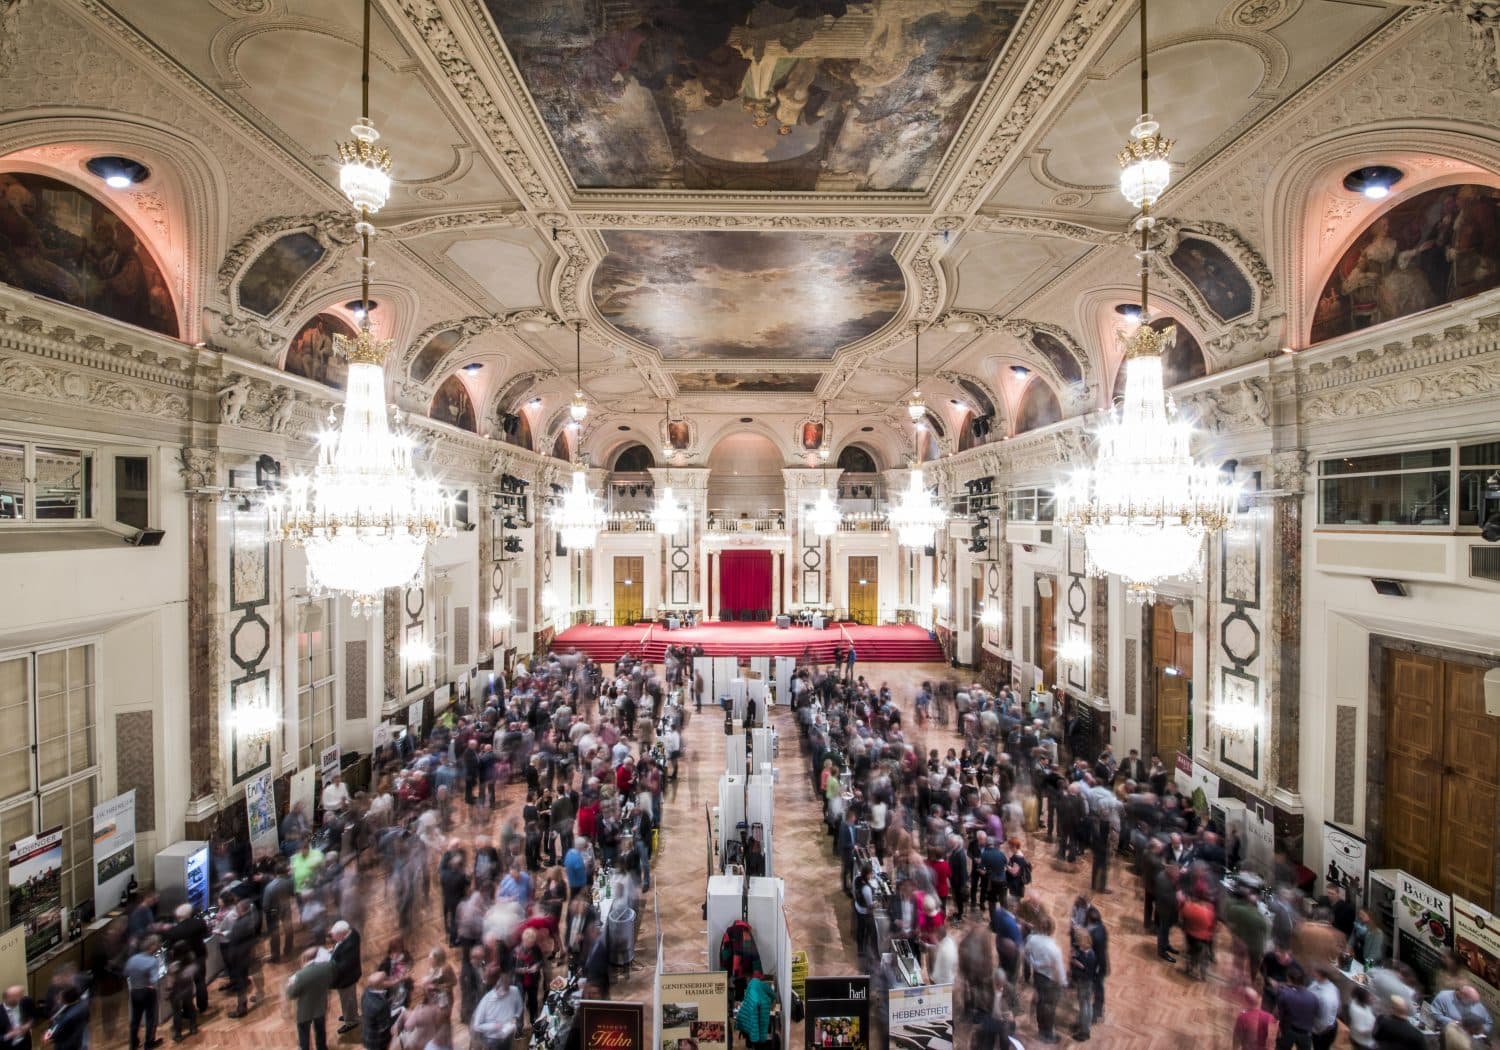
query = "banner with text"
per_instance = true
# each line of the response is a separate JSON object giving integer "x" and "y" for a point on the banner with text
{"x": 328, "y": 763}
{"x": 837, "y": 1013}
{"x": 611, "y": 1026}
{"x": 34, "y": 878}
{"x": 1476, "y": 941}
{"x": 695, "y": 1008}
{"x": 921, "y": 1018}
{"x": 260, "y": 809}
{"x": 1424, "y": 925}
{"x": 114, "y": 851}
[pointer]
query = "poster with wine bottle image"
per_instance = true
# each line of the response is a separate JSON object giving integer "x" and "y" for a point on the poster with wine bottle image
{"x": 34, "y": 879}
{"x": 837, "y": 1013}
{"x": 1424, "y": 925}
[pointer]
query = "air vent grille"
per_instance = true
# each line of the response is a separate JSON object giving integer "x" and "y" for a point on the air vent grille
{"x": 1484, "y": 562}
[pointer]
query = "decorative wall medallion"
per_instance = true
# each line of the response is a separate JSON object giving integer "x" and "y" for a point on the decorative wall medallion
{"x": 1240, "y": 639}
{"x": 1260, "y": 15}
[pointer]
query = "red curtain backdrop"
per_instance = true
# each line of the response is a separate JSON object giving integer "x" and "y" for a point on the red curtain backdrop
{"x": 744, "y": 581}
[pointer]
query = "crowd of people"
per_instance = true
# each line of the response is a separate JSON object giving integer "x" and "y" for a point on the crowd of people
{"x": 932, "y": 847}
{"x": 517, "y": 886}
{"x": 938, "y": 848}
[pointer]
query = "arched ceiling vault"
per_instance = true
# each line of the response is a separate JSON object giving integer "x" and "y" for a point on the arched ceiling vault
{"x": 731, "y": 238}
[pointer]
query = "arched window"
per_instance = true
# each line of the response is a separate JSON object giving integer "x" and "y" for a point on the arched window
{"x": 452, "y": 405}
{"x": 1039, "y": 407}
{"x": 855, "y": 460}
{"x": 634, "y": 459}
{"x": 1184, "y": 361}
{"x": 1433, "y": 248}
{"x": 311, "y": 355}
{"x": 59, "y": 242}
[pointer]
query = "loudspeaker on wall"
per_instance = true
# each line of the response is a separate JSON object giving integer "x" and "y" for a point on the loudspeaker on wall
{"x": 1182, "y": 619}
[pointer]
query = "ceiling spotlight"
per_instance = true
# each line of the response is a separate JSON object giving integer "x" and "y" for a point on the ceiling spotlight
{"x": 535, "y": 402}
{"x": 1020, "y": 371}
{"x": 746, "y": 419}
{"x": 118, "y": 172}
{"x": 1373, "y": 180}
{"x": 1129, "y": 311}
{"x": 473, "y": 367}
{"x": 358, "y": 308}
{"x": 867, "y": 430}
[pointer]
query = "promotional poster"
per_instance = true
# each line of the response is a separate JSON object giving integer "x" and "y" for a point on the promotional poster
{"x": 114, "y": 851}
{"x": 328, "y": 763}
{"x": 1476, "y": 942}
{"x": 694, "y": 1011}
{"x": 260, "y": 809}
{"x": 611, "y": 1026}
{"x": 921, "y": 1018}
{"x": 837, "y": 1013}
{"x": 1424, "y": 925}
{"x": 303, "y": 791}
{"x": 34, "y": 877}
{"x": 1346, "y": 857}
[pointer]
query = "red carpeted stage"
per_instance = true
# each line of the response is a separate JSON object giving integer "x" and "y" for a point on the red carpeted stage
{"x": 890, "y": 644}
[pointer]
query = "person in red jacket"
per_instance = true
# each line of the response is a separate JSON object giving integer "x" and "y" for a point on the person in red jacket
{"x": 1197, "y": 918}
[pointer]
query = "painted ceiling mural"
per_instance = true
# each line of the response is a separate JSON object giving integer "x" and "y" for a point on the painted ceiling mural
{"x": 1433, "y": 248}
{"x": 59, "y": 242}
{"x": 720, "y": 294}
{"x": 754, "y": 94}
{"x": 746, "y": 382}
{"x": 311, "y": 355}
{"x": 1224, "y": 288}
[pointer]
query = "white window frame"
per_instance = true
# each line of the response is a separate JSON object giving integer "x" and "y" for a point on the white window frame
{"x": 310, "y": 746}
{"x": 101, "y": 492}
{"x": 1038, "y": 496}
{"x": 1453, "y": 470}
{"x": 74, "y": 891}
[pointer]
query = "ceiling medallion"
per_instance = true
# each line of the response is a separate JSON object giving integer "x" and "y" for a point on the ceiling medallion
{"x": 1145, "y": 506}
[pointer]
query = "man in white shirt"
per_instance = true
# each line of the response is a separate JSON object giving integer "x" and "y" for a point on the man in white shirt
{"x": 943, "y": 964}
{"x": 498, "y": 1015}
{"x": 1326, "y": 1027}
{"x": 335, "y": 794}
{"x": 1049, "y": 975}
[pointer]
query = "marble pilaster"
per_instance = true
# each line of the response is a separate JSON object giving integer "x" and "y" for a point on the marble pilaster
{"x": 199, "y": 468}
{"x": 1289, "y": 476}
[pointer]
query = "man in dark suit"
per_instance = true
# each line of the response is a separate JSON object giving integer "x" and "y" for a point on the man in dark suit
{"x": 70, "y": 1026}
{"x": 188, "y": 938}
{"x": 346, "y": 973}
{"x": 16, "y": 1019}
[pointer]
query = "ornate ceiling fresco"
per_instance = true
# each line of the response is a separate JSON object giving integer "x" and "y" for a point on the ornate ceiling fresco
{"x": 754, "y": 94}
{"x": 732, "y": 197}
{"x": 712, "y": 295}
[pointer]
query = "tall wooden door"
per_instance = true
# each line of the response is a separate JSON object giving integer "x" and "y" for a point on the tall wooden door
{"x": 1046, "y": 632}
{"x": 864, "y": 589}
{"x": 1443, "y": 763}
{"x": 1172, "y": 674}
{"x": 630, "y": 589}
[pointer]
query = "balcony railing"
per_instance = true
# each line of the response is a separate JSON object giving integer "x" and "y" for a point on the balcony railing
{"x": 769, "y": 523}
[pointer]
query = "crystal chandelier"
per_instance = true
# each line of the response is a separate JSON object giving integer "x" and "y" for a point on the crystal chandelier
{"x": 668, "y": 515}
{"x": 365, "y": 175}
{"x": 579, "y": 518}
{"x": 825, "y": 516}
{"x": 255, "y": 722}
{"x": 1237, "y": 719}
{"x": 1146, "y": 505}
{"x": 914, "y": 406}
{"x": 364, "y": 517}
{"x": 1145, "y": 170}
{"x": 917, "y": 517}
{"x": 579, "y": 409}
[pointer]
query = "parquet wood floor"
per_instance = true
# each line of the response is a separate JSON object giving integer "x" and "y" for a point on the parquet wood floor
{"x": 1150, "y": 1006}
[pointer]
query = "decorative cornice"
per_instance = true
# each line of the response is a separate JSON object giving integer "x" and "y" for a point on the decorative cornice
{"x": 457, "y": 220}
{"x": 444, "y": 45}
{"x": 698, "y": 220}
{"x": 1063, "y": 54}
